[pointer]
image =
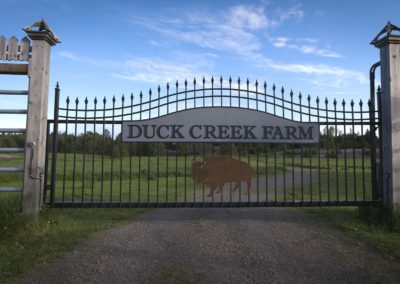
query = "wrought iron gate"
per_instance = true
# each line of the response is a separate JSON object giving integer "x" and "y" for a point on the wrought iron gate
{"x": 88, "y": 163}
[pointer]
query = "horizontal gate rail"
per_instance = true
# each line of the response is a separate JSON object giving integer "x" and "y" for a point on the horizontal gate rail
{"x": 13, "y": 111}
{"x": 11, "y": 170}
{"x": 10, "y": 189}
{"x": 11, "y": 92}
{"x": 12, "y": 150}
{"x": 12, "y": 130}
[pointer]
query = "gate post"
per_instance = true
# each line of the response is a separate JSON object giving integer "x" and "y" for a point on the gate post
{"x": 389, "y": 46}
{"x": 42, "y": 39}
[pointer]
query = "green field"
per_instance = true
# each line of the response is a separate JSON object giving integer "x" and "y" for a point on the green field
{"x": 87, "y": 178}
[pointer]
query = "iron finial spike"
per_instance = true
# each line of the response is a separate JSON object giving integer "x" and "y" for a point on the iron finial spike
{"x": 150, "y": 92}
{"x": 265, "y": 85}
{"x": 221, "y": 80}
{"x": 334, "y": 102}
{"x": 159, "y": 89}
{"x": 291, "y": 93}
{"x": 185, "y": 82}
{"x": 76, "y": 101}
{"x": 212, "y": 79}
{"x": 95, "y": 101}
{"x": 352, "y": 103}
{"x": 67, "y": 100}
{"x": 113, "y": 99}
{"x": 123, "y": 98}
{"x": 317, "y": 100}
{"x": 141, "y": 95}
{"x": 238, "y": 80}
{"x": 194, "y": 81}
{"x": 247, "y": 82}
{"x": 230, "y": 80}
{"x": 379, "y": 89}
{"x": 86, "y": 101}
{"x": 57, "y": 85}
{"x": 177, "y": 84}
{"x": 104, "y": 100}
{"x": 131, "y": 96}
{"x": 273, "y": 87}
{"x": 343, "y": 102}
{"x": 300, "y": 96}
{"x": 369, "y": 103}
{"x": 256, "y": 83}
{"x": 308, "y": 98}
{"x": 361, "y": 103}
{"x": 326, "y": 101}
{"x": 204, "y": 80}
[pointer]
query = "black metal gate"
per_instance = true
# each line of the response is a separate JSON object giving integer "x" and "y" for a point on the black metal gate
{"x": 89, "y": 165}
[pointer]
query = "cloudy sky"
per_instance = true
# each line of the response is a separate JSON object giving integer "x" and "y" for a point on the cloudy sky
{"x": 120, "y": 47}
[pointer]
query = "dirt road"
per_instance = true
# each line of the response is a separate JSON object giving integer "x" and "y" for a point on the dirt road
{"x": 240, "y": 245}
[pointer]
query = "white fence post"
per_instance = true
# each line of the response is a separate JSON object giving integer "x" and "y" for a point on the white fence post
{"x": 389, "y": 46}
{"x": 35, "y": 150}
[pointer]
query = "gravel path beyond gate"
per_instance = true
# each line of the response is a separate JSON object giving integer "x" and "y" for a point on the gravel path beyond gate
{"x": 218, "y": 245}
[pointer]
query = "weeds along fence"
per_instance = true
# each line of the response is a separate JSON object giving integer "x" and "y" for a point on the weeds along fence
{"x": 88, "y": 164}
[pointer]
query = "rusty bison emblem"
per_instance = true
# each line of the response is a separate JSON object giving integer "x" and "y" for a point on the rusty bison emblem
{"x": 216, "y": 171}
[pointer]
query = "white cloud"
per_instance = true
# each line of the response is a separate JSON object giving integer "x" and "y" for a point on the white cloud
{"x": 304, "y": 45}
{"x": 68, "y": 55}
{"x": 294, "y": 13}
{"x": 248, "y": 17}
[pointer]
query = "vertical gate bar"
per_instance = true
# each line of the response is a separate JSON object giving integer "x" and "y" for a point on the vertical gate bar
{"x": 256, "y": 95}
{"x": 103, "y": 152}
{"x": 194, "y": 92}
{"x": 112, "y": 150}
{"x": 284, "y": 147}
{"x": 84, "y": 153}
{"x": 65, "y": 151}
{"x": 130, "y": 158}
{"x": 293, "y": 148}
{"x": 139, "y": 150}
{"x": 167, "y": 172}
{"x": 301, "y": 152}
{"x": 93, "y": 149}
{"x": 176, "y": 172}
{"x": 74, "y": 159}
{"x": 212, "y": 91}
{"x": 194, "y": 181}
{"x": 337, "y": 151}
{"x": 186, "y": 94}
{"x": 273, "y": 93}
{"x": 158, "y": 100}
{"x": 327, "y": 148}
{"x": 202, "y": 146}
{"x": 354, "y": 152}
{"x": 265, "y": 96}
{"x": 247, "y": 93}
{"x": 266, "y": 172}
{"x": 248, "y": 162}
{"x": 204, "y": 94}
{"x": 55, "y": 144}
{"x": 148, "y": 171}
{"x": 184, "y": 170}
{"x": 230, "y": 184}
{"x": 275, "y": 189}
{"x": 158, "y": 172}
{"x": 345, "y": 148}
{"x": 258, "y": 181}
{"x": 176, "y": 96}
{"x": 230, "y": 91}
{"x": 46, "y": 163}
{"x": 120, "y": 151}
{"x": 167, "y": 98}
{"x": 371, "y": 104}
{"x": 379, "y": 189}
{"x": 362, "y": 149}
{"x": 221, "y": 81}
{"x": 238, "y": 81}
{"x": 240, "y": 184}
{"x": 212, "y": 154}
{"x": 222, "y": 188}
{"x": 310, "y": 150}
{"x": 319, "y": 152}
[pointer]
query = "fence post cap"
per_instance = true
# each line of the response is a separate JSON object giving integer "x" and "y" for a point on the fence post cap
{"x": 43, "y": 32}
{"x": 388, "y": 38}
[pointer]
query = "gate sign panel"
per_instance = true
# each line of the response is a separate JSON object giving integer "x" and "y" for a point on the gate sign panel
{"x": 219, "y": 124}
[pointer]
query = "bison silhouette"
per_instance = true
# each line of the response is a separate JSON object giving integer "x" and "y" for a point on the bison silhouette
{"x": 216, "y": 171}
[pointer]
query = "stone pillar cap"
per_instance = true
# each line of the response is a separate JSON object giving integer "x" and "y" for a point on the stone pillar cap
{"x": 43, "y": 32}
{"x": 388, "y": 38}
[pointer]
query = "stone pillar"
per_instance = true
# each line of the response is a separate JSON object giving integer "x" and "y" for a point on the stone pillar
{"x": 38, "y": 71}
{"x": 389, "y": 45}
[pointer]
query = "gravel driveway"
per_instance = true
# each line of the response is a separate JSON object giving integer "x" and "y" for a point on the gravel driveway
{"x": 218, "y": 245}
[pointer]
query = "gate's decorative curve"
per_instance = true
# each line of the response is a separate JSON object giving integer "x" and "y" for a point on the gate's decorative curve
{"x": 95, "y": 167}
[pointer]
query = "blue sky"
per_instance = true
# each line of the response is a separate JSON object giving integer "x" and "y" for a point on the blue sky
{"x": 118, "y": 47}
